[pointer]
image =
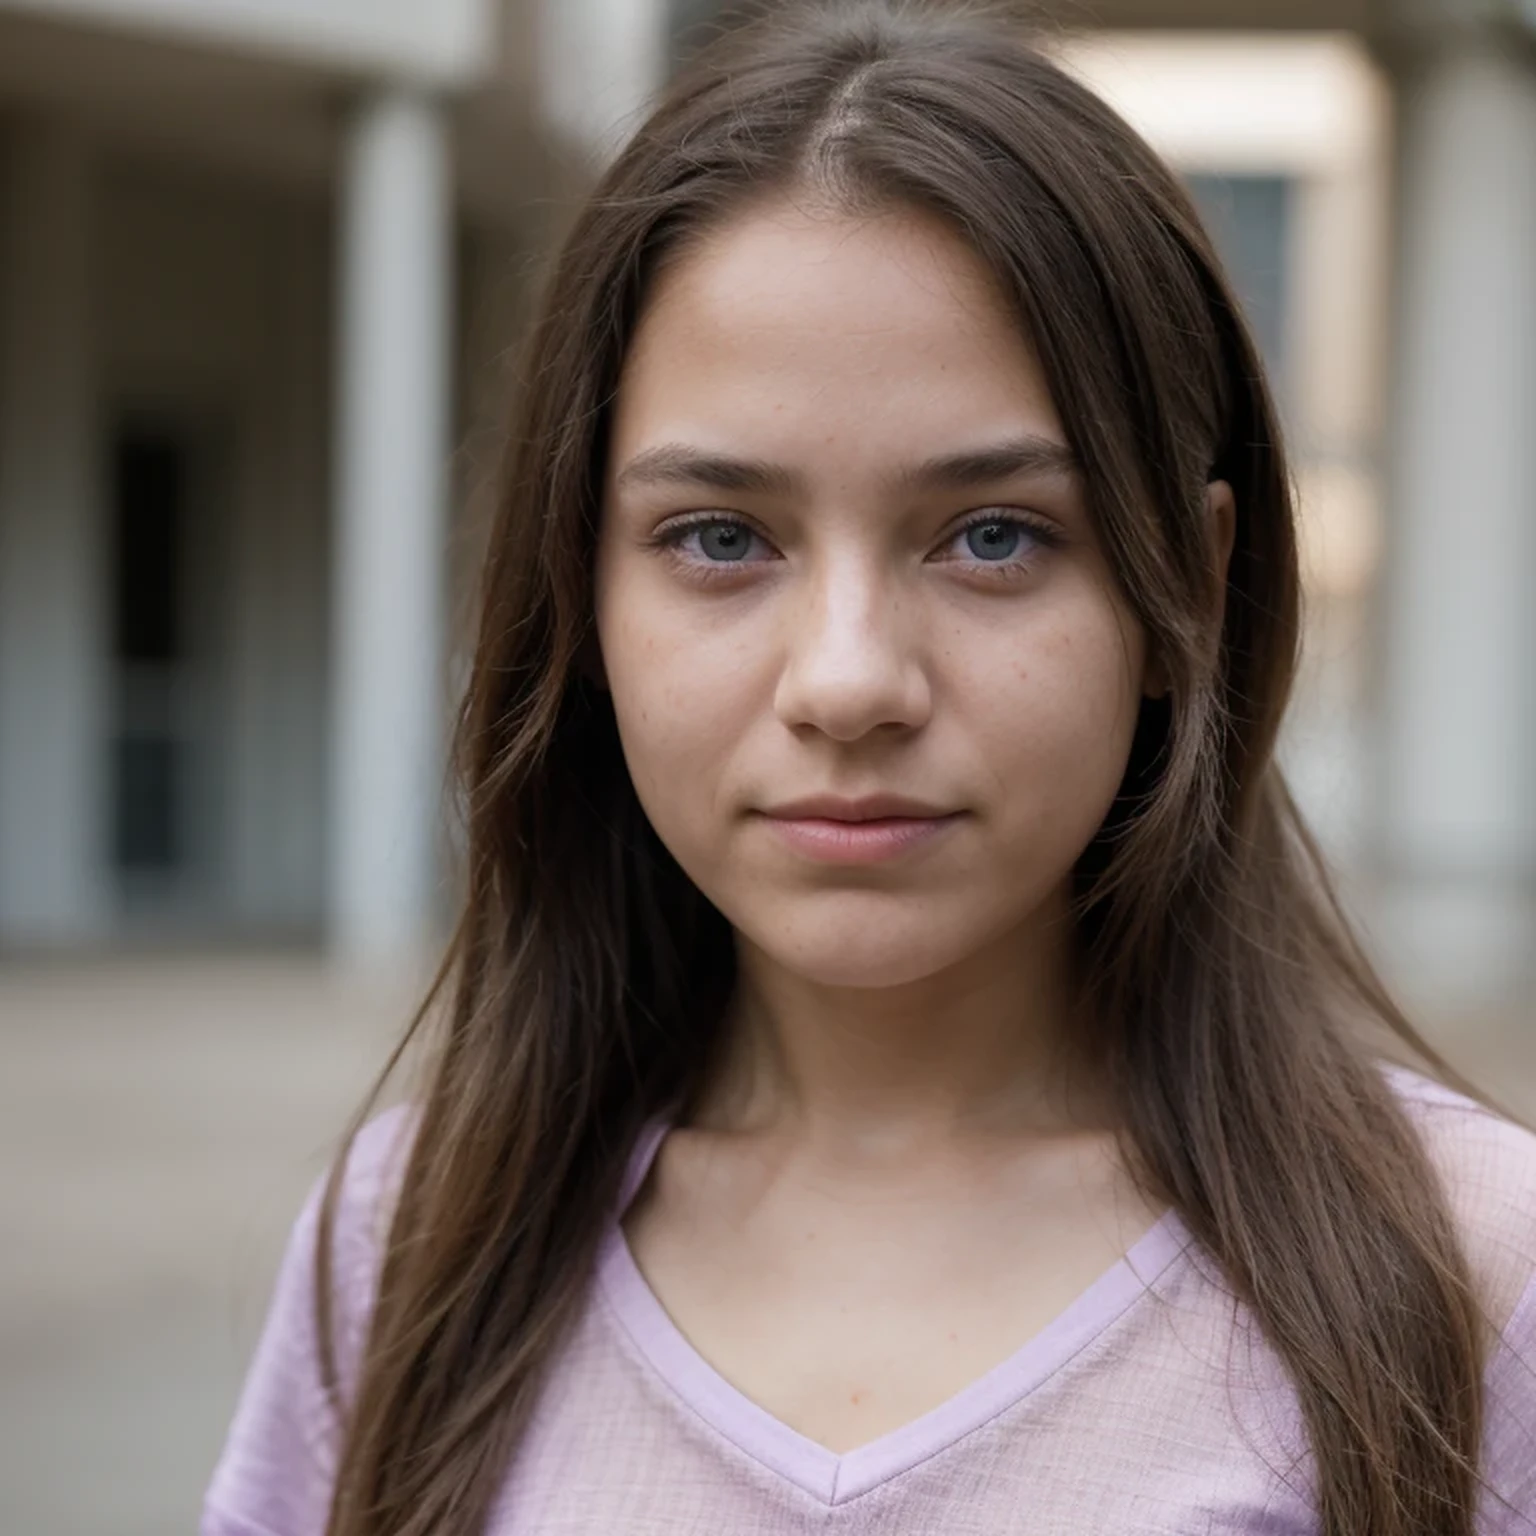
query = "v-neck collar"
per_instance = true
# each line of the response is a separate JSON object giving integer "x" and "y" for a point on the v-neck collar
{"x": 821, "y": 1472}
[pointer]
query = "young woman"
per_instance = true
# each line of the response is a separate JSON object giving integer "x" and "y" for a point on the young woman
{"x": 902, "y": 1069}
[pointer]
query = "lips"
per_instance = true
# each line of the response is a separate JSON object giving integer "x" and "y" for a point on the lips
{"x": 878, "y": 807}
{"x": 873, "y": 829}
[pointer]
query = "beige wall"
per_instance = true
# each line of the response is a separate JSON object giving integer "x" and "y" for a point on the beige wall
{"x": 449, "y": 41}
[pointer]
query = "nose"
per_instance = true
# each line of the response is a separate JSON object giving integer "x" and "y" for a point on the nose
{"x": 852, "y": 655}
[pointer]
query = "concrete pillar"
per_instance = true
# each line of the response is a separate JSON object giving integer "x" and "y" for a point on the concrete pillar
{"x": 388, "y": 707}
{"x": 53, "y": 645}
{"x": 1456, "y": 832}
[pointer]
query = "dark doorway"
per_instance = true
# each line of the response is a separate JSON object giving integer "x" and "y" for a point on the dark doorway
{"x": 167, "y": 546}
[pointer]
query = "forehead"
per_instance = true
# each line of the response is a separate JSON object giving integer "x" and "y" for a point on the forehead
{"x": 832, "y": 336}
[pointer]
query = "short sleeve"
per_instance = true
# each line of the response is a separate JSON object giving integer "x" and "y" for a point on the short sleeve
{"x": 1509, "y": 1456}
{"x": 1488, "y": 1167}
{"x": 278, "y": 1465}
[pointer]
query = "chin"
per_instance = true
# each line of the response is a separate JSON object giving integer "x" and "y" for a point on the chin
{"x": 860, "y": 972}
{"x": 869, "y": 953}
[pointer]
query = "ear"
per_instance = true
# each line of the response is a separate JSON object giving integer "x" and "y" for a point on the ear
{"x": 1221, "y": 513}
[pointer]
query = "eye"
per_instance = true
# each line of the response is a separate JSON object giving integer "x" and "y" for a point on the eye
{"x": 722, "y": 540}
{"x": 993, "y": 541}
{"x": 1005, "y": 541}
{"x": 711, "y": 544}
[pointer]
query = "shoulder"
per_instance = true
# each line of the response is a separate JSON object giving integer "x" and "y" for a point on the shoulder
{"x": 368, "y": 1186}
{"x": 1487, "y": 1168}
{"x": 370, "y": 1181}
{"x": 279, "y": 1458}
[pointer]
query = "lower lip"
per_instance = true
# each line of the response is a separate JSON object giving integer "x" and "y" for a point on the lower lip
{"x": 859, "y": 842}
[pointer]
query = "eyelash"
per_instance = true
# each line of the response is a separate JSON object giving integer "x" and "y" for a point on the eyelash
{"x": 670, "y": 539}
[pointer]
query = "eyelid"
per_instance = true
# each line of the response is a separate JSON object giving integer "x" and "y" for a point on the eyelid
{"x": 1008, "y": 514}
{"x": 1035, "y": 521}
{"x": 677, "y": 528}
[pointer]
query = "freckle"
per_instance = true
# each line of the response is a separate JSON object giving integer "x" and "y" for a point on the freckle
{"x": 856, "y": 1398}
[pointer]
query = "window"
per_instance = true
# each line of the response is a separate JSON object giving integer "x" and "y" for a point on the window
{"x": 1249, "y": 218}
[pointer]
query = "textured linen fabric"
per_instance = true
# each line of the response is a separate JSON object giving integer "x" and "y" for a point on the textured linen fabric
{"x": 1152, "y": 1405}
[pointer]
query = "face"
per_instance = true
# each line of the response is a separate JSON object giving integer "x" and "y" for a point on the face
{"x": 844, "y": 553}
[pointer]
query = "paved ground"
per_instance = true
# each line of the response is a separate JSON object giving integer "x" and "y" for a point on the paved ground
{"x": 159, "y": 1124}
{"x": 160, "y": 1121}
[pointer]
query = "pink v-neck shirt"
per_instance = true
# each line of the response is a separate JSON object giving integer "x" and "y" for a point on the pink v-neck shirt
{"x": 1152, "y": 1405}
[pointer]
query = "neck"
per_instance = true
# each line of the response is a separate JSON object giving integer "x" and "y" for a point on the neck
{"x": 981, "y": 1049}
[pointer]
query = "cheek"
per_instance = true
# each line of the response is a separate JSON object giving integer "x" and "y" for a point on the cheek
{"x": 679, "y": 700}
{"x": 1054, "y": 722}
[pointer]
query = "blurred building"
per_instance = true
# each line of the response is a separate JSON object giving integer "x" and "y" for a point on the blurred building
{"x": 258, "y": 263}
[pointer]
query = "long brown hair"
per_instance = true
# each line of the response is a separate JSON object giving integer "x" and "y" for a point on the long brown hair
{"x": 584, "y": 987}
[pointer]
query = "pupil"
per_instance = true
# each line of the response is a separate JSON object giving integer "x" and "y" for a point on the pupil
{"x": 992, "y": 541}
{"x": 724, "y": 541}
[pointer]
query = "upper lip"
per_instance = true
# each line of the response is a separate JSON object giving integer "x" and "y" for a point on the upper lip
{"x": 865, "y": 808}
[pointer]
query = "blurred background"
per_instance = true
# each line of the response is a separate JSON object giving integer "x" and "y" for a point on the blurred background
{"x": 260, "y": 265}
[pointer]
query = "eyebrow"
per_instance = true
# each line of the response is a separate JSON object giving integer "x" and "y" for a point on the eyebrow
{"x": 678, "y": 464}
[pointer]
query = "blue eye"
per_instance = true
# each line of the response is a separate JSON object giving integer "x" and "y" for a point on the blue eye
{"x": 724, "y": 541}
{"x": 995, "y": 540}
{"x": 707, "y": 547}
{"x": 1002, "y": 545}
{"x": 1008, "y": 545}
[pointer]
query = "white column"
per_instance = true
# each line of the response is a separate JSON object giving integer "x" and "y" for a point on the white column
{"x": 388, "y": 709}
{"x": 600, "y": 62}
{"x": 53, "y": 540}
{"x": 1457, "y": 812}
